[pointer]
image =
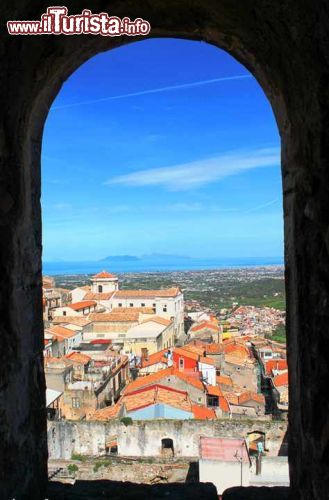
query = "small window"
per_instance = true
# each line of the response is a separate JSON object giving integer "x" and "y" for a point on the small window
{"x": 131, "y": 304}
{"x": 181, "y": 362}
{"x": 100, "y": 288}
{"x": 75, "y": 402}
{"x": 164, "y": 308}
{"x": 120, "y": 304}
{"x": 167, "y": 447}
{"x": 64, "y": 313}
{"x": 212, "y": 401}
{"x": 142, "y": 304}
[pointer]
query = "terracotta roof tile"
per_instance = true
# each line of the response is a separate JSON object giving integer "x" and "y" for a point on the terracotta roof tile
{"x": 244, "y": 397}
{"x": 61, "y": 333}
{"x": 251, "y": 396}
{"x": 72, "y": 320}
{"x": 160, "y": 376}
{"x": 106, "y": 413}
{"x": 214, "y": 348}
{"x": 203, "y": 413}
{"x": 152, "y": 359}
{"x": 194, "y": 348}
{"x": 185, "y": 352}
{"x": 114, "y": 317}
{"x": 281, "y": 380}
{"x": 157, "y": 394}
{"x": 224, "y": 404}
{"x": 203, "y": 326}
{"x": 159, "y": 319}
{"x": 236, "y": 349}
{"x": 98, "y": 296}
{"x": 168, "y": 292}
{"x": 77, "y": 306}
{"x": 78, "y": 358}
{"x": 104, "y": 275}
{"x": 275, "y": 364}
{"x": 144, "y": 310}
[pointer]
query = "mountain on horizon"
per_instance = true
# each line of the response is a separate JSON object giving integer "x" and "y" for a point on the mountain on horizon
{"x": 159, "y": 257}
{"x": 120, "y": 258}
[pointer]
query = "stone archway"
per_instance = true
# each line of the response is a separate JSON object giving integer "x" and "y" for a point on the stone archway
{"x": 285, "y": 46}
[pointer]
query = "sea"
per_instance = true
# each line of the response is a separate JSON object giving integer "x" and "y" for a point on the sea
{"x": 156, "y": 265}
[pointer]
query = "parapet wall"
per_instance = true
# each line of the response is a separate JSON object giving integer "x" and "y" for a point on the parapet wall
{"x": 143, "y": 438}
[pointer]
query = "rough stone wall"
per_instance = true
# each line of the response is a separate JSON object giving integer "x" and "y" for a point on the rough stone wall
{"x": 137, "y": 470}
{"x": 144, "y": 438}
{"x": 285, "y": 45}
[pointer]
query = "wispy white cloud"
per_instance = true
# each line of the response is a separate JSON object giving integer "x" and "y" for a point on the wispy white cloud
{"x": 183, "y": 207}
{"x": 260, "y": 207}
{"x": 195, "y": 174}
{"x": 154, "y": 91}
{"x": 62, "y": 206}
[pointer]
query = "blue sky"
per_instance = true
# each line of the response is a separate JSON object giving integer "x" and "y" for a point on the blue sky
{"x": 166, "y": 146}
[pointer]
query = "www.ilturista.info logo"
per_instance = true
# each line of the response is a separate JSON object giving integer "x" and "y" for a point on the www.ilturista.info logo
{"x": 56, "y": 21}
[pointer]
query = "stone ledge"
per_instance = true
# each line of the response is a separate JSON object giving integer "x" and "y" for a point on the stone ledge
{"x": 115, "y": 490}
{"x": 257, "y": 493}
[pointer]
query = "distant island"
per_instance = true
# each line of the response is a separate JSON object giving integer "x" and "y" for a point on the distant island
{"x": 159, "y": 257}
{"x": 120, "y": 258}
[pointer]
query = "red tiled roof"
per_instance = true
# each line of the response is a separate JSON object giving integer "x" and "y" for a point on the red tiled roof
{"x": 203, "y": 413}
{"x": 224, "y": 404}
{"x": 105, "y": 413}
{"x": 185, "y": 352}
{"x": 214, "y": 390}
{"x": 194, "y": 348}
{"x": 78, "y": 357}
{"x": 104, "y": 275}
{"x": 161, "y": 375}
{"x": 156, "y": 394}
{"x": 72, "y": 320}
{"x": 275, "y": 364}
{"x": 61, "y": 333}
{"x": 98, "y": 296}
{"x": 242, "y": 398}
{"x": 281, "y": 380}
{"x": 214, "y": 348}
{"x": 168, "y": 292}
{"x": 152, "y": 359}
{"x": 159, "y": 319}
{"x": 144, "y": 310}
{"x": 237, "y": 349}
{"x": 251, "y": 396}
{"x": 76, "y": 306}
{"x": 203, "y": 326}
{"x": 113, "y": 317}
